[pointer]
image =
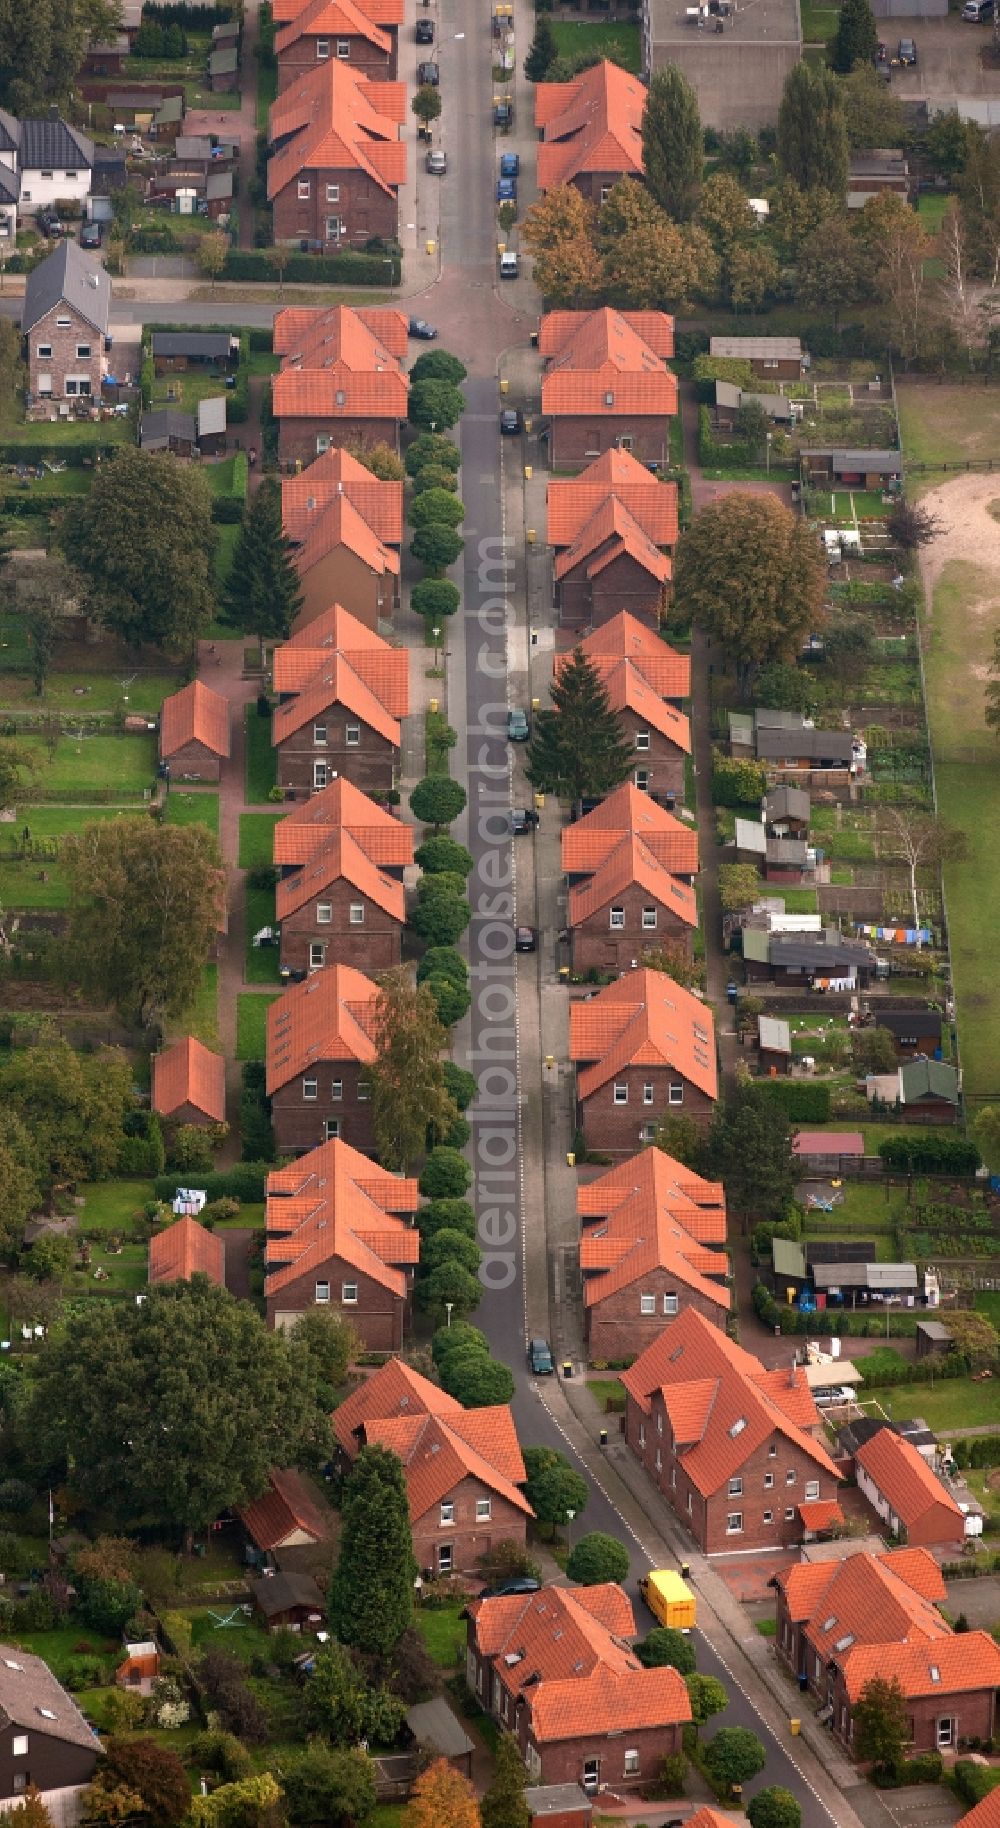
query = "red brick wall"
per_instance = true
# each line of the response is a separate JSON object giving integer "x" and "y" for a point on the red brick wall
{"x": 378, "y": 1315}
{"x": 376, "y": 945}
{"x": 596, "y": 942}
{"x": 363, "y": 208}
{"x": 297, "y": 437}
{"x": 189, "y": 1113}
{"x": 299, "y": 1122}
{"x": 574, "y": 442}
{"x": 341, "y": 577}
{"x": 617, "y": 1128}
{"x": 194, "y": 762}
{"x": 616, "y": 1327}
{"x": 777, "y": 371}
{"x": 364, "y": 58}
{"x": 663, "y": 761}
{"x": 467, "y": 1537}
{"x": 590, "y": 184}
{"x": 369, "y": 764}
{"x": 588, "y": 602}
{"x": 64, "y": 359}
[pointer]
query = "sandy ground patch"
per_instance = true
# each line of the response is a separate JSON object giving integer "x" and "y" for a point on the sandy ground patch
{"x": 969, "y": 531}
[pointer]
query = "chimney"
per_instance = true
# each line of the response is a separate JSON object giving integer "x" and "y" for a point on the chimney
{"x": 793, "y": 1375}
{"x": 53, "y": 112}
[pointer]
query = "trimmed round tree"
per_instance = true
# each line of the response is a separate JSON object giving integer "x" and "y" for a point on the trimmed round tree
{"x": 435, "y": 599}
{"x": 774, "y": 1808}
{"x": 597, "y": 1558}
{"x": 553, "y": 1486}
{"x": 450, "y": 1285}
{"x": 460, "y": 1083}
{"x": 443, "y": 856}
{"x": 453, "y": 1001}
{"x": 664, "y": 1648}
{"x": 435, "y": 476}
{"x": 733, "y": 1756}
{"x": 446, "y": 1215}
{"x": 436, "y": 546}
{"x": 457, "y": 1340}
{"x": 437, "y": 800}
{"x": 371, "y": 1594}
{"x": 441, "y": 911}
{"x": 438, "y": 365}
{"x": 435, "y": 405}
{"x": 437, "y": 507}
{"x": 477, "y": 1381}
{"x": 432, "y": 447}
{"x": 444, "y": 961}
{"x": 445, "y": 1175}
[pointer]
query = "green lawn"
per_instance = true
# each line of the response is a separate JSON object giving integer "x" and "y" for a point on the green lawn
{"x": 267, "y": 89}
{"x": 202, "y": 1019}
{"x": 605, "y": 1390}
{"x": 952, "y": 1404}
{"x": 443, "y": 1633}
{"x": 988, "y": 1302}
{"x": 766, "y": 1627}
{"x": 34, "y": 882}
{"x": 33, "y": 885}
{"x": 60, "y": 1646}
{"x": 799, "y": 901}
{"x": 85, "y": 693}
{"x": 112, "y": 1205}
{"x": 260, "y": 758}
{"x": 245, "y": 1641}
{"x": 251, "y": 1024}
{"x": 61, "y": 432}
{"x": 229, "y": 477}
{"x": 261, "y": 966}
{"x": 947, "y": 423}
{"x": 256, "y": 839}
{"x": 227, "y": 536}
{"x": 184, "y": 808}
{"x": 931, "y": 211}
{"x": 125, "y": 763}
{"x": 604, "y": 37}
{"x": 863, "y": 1201}
{"x": 818, "y": 22}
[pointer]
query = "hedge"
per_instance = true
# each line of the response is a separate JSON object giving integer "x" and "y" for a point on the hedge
{"x": 245, "y": 1182}
{"x": 846, "y": 1321}
{"x": 802, "y": 1100}
{"x": 77, "y": 455}
{"x": 347, "y": 269}
{"x": 974, "y": 1782}
{"x": 714, "y": 455}
{"x": 200, "y": 18}
{"x": 930, "y": 1154}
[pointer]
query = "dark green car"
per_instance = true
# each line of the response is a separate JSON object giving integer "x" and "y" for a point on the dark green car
{"x": 540, "y": 1358}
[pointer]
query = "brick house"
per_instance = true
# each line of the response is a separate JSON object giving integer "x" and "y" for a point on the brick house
{"x": 45, "y": 1742}
{"x": 463, "y": 1467}
{"x": 609, "y": 528}
{"x": 194, "y": 732}
{"x": 772, "y": 358}
{"x": 64, "y": 321}
{"x": 659, "y": 734}
{"x": 905, "y": 1493}
{"x": 189, "y": 1083}
{"x": 340, "y": 908}
{"x": 285, "y": 1516}
{"x": 606, "y": 384}
{"x": 629, "y": 904}
{"x": 587, "y": 844}
{"x": 554, "y": 1669}
{"x": 339, "y": 1235}
{"x": 317, "y": 640}
{"x": 386, "y": 840}
{"x": 319, "y": 1048}
{"x": 726, "y": 1443}
{"x": 337, "y": 160}
{"x": 591, "y": 131}
{"x": 344, "y": 719}
{"x": 652, "y": 1244}
{"x": 347, "y": 527}
{"x": 841, "y": 1623}
{"x": 665, "y": 671}
{"x": 341, "y": 379}
{"x": 644, "y": 1048}
{"x": 340, "y": 29}
{"x": 187, "y": 1249}
{"x": 386, "y": 13}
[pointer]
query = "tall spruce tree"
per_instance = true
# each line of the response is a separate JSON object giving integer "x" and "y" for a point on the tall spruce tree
{"x": 503, "y": 1805}
{"x": 812, "y": 130}
{"x": 855, "y": 41}
{"x": 673, "y": 146}
{"x": 578, "y": 749}
{"x": 542, "y": 52}
{"x": 262, "y": 595}
{"x": 371, "y": 1595}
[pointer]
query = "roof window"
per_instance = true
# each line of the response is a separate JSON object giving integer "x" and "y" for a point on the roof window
{"x": 738, "y": 1426}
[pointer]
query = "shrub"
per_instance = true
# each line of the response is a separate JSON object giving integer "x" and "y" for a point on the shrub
{"x": 664, "y": 1648}
{"x": 452, "y": 1001}
{"x": 737, "y": 783}
{"x": 671, "y": 1775}
{"x": 245, "y": 1181}
{"x": 930, "y": 1154}
{"x": 801, "y": 1100}
{"x": 443, "y": 961}
{"x": 597, "y": 1558}
{"x": 435, "y": 855}
{"x": 460, "y": 1338}
{"x": 460, "y": 1084}
{"x": 446, "y": 1175}
{"x": 16, "y": 1495}
{"x": 350, "y": 268}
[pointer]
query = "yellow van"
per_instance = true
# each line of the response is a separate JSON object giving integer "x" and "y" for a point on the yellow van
{"x": 669, "y": 1599}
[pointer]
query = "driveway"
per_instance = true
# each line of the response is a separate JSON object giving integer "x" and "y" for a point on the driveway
{"x": 949, "y": 68}
{"x": 923, "y": 1806}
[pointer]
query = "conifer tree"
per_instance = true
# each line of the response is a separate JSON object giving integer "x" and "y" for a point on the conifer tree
{"x": 578, "y": 748}
{"x": 371, "y": 1595}
{"x": 262, "y": 594}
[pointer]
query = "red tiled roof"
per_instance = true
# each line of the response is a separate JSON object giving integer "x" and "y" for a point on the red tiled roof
{"x": 904, "y": 1478}
{"x": 186, "y": 1249}
{"x": 949, "y": 1666}
{"x": 286, "y": 1508}
{"x": 632, "y": 864}
{"x": 189, "y": 1073}
{"x": 394, "y": 1389}
{"x": 195, "y": 714}
{"x": 338, "y": 684}
{"x": 644, "y": 1019}
{"x": 328, "y": 1017}
{"x": 706, "y": 1817}
{"x": 866, "y": 1600}
{"x": 655, "y": 328}
{"x": 341, "y": 859}
{"x": 605, "y": 368}
{"x": 667, "y": 672}
{"x": 331, "y": 119}
{"x": 591, "y": 125}
{"x": 342, "y": 525}
{"x": 437, "y": 1457}
{"x": 612, "y": 531}
{"x": 341, "y": 806}
{"x": 820, "y": 1514}
{"x": 586, "y": 844}
{"x": 332, "y": 19}
{"x": 384, "y": 669}
{"x": 306, "y": 326}
{"x": 381, "y": 12}
{"x": 571, "y": 501}
{"x": 607, "y": 1702}
{"x": 651, "y": 1213}
{"x": 340, "y": 363}
{"x": 985, "y": 1814}
{"x": 828, "y": 1142}
{"x": 334, "y": 1204}
{"x": 305, "y": 498}
{"x": 724, "y": 1402}
{"x": 628, "y": 690}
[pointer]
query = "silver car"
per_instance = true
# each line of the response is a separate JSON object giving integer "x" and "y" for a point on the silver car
{"x": 437, "y": 163}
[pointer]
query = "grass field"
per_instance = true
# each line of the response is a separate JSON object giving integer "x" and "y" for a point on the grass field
{"x": 85, "y": 693}
{"x": 256, "y": 839}
{"x": 124, "y": 762}
{"x": 260, "y": 758}
{"x": 112, "y": 1205}
{"x": 33, "y": 883}
{"x": 953, "y": 1404}
{"x": 818, "y": 22}
{"x": 443, "y": 1634}
{"x": 261, "y": 964}
{"x": 185, "y": 808}
{"x": 202, "y": 1019}
{"x": 948, "y": 423}
{"x": 988, "y": 1303}
{"x": 61, "y": 432}
{"x": 251, "y": 1024}
{"x": 62, "y": 1645}
{"x": 228, "y": 534}
{"x": 603, "y": 37}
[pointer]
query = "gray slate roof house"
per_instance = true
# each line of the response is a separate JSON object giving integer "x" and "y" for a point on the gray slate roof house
{"x": 48, "y": 143}
{"x": 10, "y": 132}
{"x": 218, "y": 184}
{"x": 68, "y": 276}
{"x": 283, "y": 1592}
{"x": 31, "y": 1698}
{"x": 927, "y": 1079}
{"x": 881, "y": 1278}
{"x": 782, "y": 803}
{"x": 10, "y": 188}
{"x": 222, "y": 63}
{"x": 804, "y": 740}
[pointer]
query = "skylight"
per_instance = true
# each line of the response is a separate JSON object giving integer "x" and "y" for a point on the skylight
{"x": 829, "y": 1623}
{"x": 738, "y": 1426}
{"x": 935, "y": 1673}
{"x": 844, "y": 1642}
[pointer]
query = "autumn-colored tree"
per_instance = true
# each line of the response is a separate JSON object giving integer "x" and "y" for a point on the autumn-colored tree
{"x": 795, "y": 213}
{"x": 442, "y": 1798}
{"x": 752, "y": 274}
{"x": 834, "y": 269}
{"x": 921, "y": 842}
{"x": 559, "y": 231}
{"x": 31, "y": 1813}
{"x": 900, "y": 247}
{"x": 724, "y": 212}
{"x": 407, "y": 1074}
{"x": 650, "y": 262}
{"x": 751, "y": 574}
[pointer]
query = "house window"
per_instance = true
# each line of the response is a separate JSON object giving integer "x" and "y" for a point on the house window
{"x": 790, "y": 1476}
{"x": 768, "y": 1481}
{"x": 322, "y": 443}
{"x": 641, "y": 778}
{"x": 617, "y": 919}
{"x": 322, "y": 1291}
{"x": 484, "y": 1510}
{"x": 319, "y": 775}
{"x": 19, "y": 1745}
{"x": 642, "y": 1435}
{"x": 673, "y": 1478}
{"x": 642, "y": 739}
{"x": 331, "y": 1129}
{"x": 735, "y": 1488}
{"x": 317, "y": 955}
{"x": 364, "y": 1091}
{"x": 83, "y": 350}
{"x": 621, "y": 1094}
{"x": 333, "y": 193}
{"x": 25, "y": 196}
{"x": 812, "y": 1488}
{"x": 310, "y": 1089}
{"x": 446, "y": 1558}
{"x": 349, "y": 1294}
{"x": 305, "y": 189}
{"x": 631, "y": 1764}
{"x": 647, "y": 1132}
{"x": 324, "y": 913}
{"x": 357, "y": 914}
{"x": 734, "y": 1523}
{"x": 447, "y": 1511}
{"x": 768, "y": 1516}
{"x": 48, "y": 174}
{"x": 659, "y": 1424}
{"x": 333, "y": 231}
{"x": 19, "y": 1781}
{"x": 790, "y": 1514}
{"x": 647, "y": 1092}
{"x": 817, "y": 1668}
{"x": 352, "y": 736}
{"x": 319, "y": 736}
{"x": 772, "y": 1452}
{"x": 670, "y": 1304}
{"x": 343, "y": 47}
{"x": 336, "y": 1088}
{"x": 591, "y": 1773}
{"x": 648, "y": 919}
{"x": 945, "y": 1733}
{"x": 647, "y": 1304}
{"x": 322, "y": 48}
{"x": 676, "y": 1094}
{"x": 690, "y": 1506}
{"x": 71, "y": 177}
{"x": 44, "y": 350}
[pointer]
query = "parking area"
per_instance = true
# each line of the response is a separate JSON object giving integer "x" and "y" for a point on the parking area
{"x": 979, "y": 1599}
{"x": 922, "y": 1806}
{"x": 949, "y": 60}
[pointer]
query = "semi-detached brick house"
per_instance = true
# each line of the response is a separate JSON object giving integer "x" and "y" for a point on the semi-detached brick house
{"x": 591, "y": 131}
{"x": 319, "y": 1049}
{"x": 839, "y": 1624}
{"x": 463, "y": 1467}
{"x": 334, "y": 29}
{"x": 337, "y": 160}
{"x": 347, "y": 527}
{"x": 339, "y": 1235}
{"x": 186, "y": 1249}
{"x": 189, "y": 1083}
{"x": 659, "y": 734}
{"x": 665, "y": 671}
{"x": 644, "y": 1048}
{"x": 344, "y": 719}
{"x": 727, "y": 1443}
{"x": 630, "y": 903}
{"x": 341, "y": 379}
{"x": 339, "y": 908}
{"x": 588, "y": 843}
{"x": 342, "y": 807}
{"x": 555, "y": 1669}
{"x": 905, "y": 1493}
{"x": 64, "y": 321}
{"x": 315, "y": 642}
{"x": 194, "y": 732}
{"x": 652, "y": 1245}
{"x": 609, "y": 528}
{"x": 606, "y": 384}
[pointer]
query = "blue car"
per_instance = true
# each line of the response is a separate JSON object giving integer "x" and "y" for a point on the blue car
{"x": 506, "y": 190}
{"x": 510, "y": 164}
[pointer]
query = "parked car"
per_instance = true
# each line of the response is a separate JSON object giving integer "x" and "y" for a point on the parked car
{"x": 540, "y": 1358}
{"x": 518, "y": 727}
{"x": 509, "y": 264}
{"x": 428, "y": 75}
{"x": 510, "y": 164}
{"x": 437, "y": 163}
{"x": 978, "y": 11}
{"x": 503, "y": 113}
{"x": 48, "y": 223}
{"x": 425, "y": 31}
{"x": 510, "y": 419}
{"x": 91, "y": 235}
{"x": 419, "y": 327}
{"x": 525, "y": 939}
{"x": 506, "y": 190}
{"x": 520, "y": 1583}
{"x": 907, "y": 51}
{"x": 522, "y": 821}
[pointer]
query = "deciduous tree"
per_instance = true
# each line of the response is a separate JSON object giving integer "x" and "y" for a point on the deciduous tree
{"x": 371, "y": 1595}
{"x": 553, "y": 1486}
{"x": 211, "y": 257}
{"x": 442, "y": 1798}
{"x": 855, "y": 44}
{"x": 71, "y": 1105}
{"x": 437, "y": 800}
{"x": 426, "y": 104}
{"x": 323, "y": 1785}
{"x": 795, "y": 213}
{"x": 752, "y": 276}
{"x": 739, "y": 884}
{"x": 19, "y": 1181}
{"x": 476, "y": 1380}
{"x": 596, "y": 1558}
{"x": 439, "y": 507}
{"x": 774, "y": 1808}
{"x": 435, "y": 599}
{"x": 329, "y": 1343}
{"x": 812, "y": 131}
{"x": 873, "y": 115}
{"x": 911, "y": 525}
{"x": 881, "y": 1722}
{"x": 439, "y": 365}
{"x": 262, "y": 595}
{"x": 707, "y": 1697}
{"x": 17, "y": 765}
{"x": 673, "y": 147}
{"x": 750, "y": 1147}
{"x": 42, "y": 47}
{"x": 559, "y": 230}
{"x": 436, "y": 546}
{"x": 920, "y": 841}
{"x": 435, "y": 405}
{"x": 154, "y": 1773}
{"x": 578, "y": 745}
{"x": 664, "y": 1648}
{"x": 432, "y": 447}
{"x": 724, "y": 212}
{"x": 834, "y": 270}
{"x": 443, "y": 854}
{"x": 734, "y": 1755}
{"x": 407, "y": 1074}
{"x": 650, "y": 262}
{"x": 900, "y": 248}
{"x": 441, "y": 910}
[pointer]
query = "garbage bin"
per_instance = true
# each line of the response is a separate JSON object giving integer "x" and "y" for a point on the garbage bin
{"x": 603, "y": 1437}
{"x": 796, "y": 1726}
{"x": 567, "y": 1367}
{"x": 803, "y": 1683}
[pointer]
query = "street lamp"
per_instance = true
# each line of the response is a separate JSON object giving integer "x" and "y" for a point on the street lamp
{"x": 436, "y": 636}
{"x": 569, "y": 1528}
{"x": 448, "y": 1307}
{"x": 767, "y": 449}
{"x": 390, "y": 262}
